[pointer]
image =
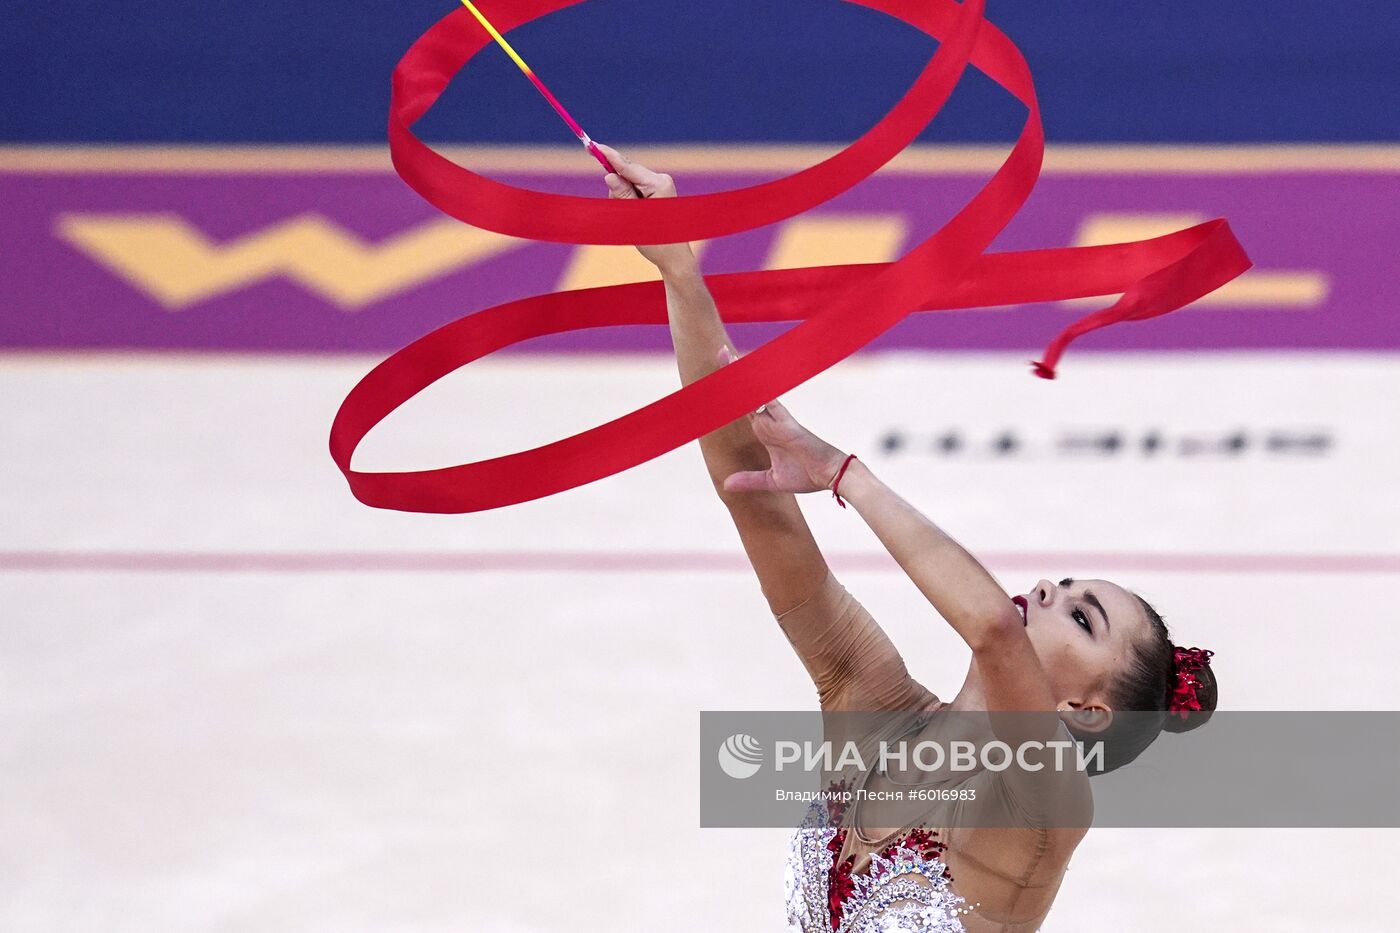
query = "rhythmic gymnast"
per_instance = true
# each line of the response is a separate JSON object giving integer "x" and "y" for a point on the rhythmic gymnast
{"x": 1082, "y": 649}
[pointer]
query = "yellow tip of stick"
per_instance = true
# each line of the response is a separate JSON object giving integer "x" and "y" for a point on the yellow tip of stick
{"x": 500, "y": 39}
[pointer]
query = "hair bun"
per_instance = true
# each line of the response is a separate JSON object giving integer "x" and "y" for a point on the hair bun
{"x": 1193, "y": 692}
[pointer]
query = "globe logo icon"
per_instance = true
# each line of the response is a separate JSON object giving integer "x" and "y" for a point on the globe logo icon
{"x": 740, "y": 756}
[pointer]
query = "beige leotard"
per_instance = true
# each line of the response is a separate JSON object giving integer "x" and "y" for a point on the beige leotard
{"x": 1011, "y": 870}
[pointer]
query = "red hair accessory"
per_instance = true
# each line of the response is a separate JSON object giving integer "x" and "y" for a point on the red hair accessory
{"x": 1187, "y": 662}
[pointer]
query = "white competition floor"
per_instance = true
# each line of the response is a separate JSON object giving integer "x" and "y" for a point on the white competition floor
{"x": 234, "y": 699}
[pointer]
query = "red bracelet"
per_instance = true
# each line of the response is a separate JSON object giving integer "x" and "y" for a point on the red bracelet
{"x": 837, "y": 482}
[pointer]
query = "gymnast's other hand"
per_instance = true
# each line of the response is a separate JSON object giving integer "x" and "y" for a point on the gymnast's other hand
{"x": 800, "y": 461}
{"x": 633, "y": 180}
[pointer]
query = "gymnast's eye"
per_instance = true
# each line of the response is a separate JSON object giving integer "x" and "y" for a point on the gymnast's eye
{"x": 1079, "y": 616}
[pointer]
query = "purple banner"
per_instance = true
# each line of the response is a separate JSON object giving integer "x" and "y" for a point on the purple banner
{"x": 337, "y": 259}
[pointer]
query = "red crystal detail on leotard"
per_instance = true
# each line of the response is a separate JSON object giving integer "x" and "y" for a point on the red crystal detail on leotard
{"x": 841, "y": 885}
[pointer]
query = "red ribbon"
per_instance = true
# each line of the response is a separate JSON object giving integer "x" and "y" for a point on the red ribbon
{"x": 842, "y": 308}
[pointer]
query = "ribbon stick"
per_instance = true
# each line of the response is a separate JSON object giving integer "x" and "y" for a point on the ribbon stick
{"x": 539, "y": 85}
{"x": 841, "y": 307}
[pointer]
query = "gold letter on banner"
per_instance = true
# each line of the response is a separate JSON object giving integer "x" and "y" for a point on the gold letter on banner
{"x": 178, "y": 266}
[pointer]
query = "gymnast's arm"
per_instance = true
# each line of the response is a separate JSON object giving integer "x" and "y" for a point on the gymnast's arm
{"x": 965, "y": 595}
{"x": 851, "y": 660}
{"x": 959, "y": 588}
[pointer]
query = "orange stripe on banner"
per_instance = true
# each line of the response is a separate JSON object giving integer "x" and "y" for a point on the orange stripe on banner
{"x": 917, "y": 159}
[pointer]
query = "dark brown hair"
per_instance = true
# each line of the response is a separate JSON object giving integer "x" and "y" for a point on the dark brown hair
{"x": 1145, "y": 688}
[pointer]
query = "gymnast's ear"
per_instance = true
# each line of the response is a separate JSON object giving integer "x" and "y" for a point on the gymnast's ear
{"x": 1086, "y": 718}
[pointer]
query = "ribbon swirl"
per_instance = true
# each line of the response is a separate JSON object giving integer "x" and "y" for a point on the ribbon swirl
{"x": 841, "y": 307}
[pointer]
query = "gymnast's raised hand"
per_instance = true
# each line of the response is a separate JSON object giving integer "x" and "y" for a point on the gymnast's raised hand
{"x": 634, "y": 180}
{"x": 801, "y": 461}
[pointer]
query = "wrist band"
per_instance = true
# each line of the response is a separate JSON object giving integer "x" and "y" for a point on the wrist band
{"x": 837, "y": 482}
{"x": 839, "y": 308}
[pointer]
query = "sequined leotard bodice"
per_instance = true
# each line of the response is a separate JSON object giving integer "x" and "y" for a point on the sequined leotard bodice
{"x": 906, "y": 887}
{"x": 940, "y": 875}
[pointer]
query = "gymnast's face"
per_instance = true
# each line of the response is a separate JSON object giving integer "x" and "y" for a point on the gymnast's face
{"x": 1083, "y": 632}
